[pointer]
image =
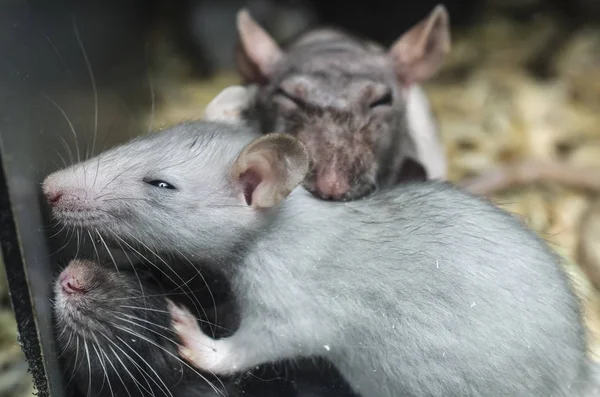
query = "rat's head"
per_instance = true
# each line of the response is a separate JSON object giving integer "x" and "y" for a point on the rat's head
{"x": 193, "y": 189}
{"x": 115, "y": 326}
{"x": 345, "y": 98}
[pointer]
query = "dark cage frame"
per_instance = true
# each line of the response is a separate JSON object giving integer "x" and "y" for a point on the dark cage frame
{"x": 43, "y": 73}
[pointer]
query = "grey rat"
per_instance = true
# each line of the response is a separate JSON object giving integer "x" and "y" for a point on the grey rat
{"x": 116, "y": 322}
{"x": 358, "y": 108}
{"x": 419, "y": 290}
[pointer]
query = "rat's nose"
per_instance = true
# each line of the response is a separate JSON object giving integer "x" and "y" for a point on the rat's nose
{"x": 70, "y": 285}
{"x": 331, "y": 186}
{"x": 54, "y": 198}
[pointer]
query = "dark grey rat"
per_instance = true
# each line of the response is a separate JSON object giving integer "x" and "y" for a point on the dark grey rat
{"x": 115, "y": 325}
{"x": 357, "y": 107}
{"x": 421, "y": 290}
{"x": 116, "y": 338}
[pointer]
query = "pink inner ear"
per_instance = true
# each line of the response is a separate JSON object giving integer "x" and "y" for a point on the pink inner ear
{"x": 250, "y": 181}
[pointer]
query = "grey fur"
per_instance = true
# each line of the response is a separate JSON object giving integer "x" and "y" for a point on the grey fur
{"x": 423, "y": 290}
{"x": 337, "y": 76}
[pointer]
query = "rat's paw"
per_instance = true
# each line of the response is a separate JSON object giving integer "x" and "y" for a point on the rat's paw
{"x": 198, "y": 348}
{"x": 182, "y": 318}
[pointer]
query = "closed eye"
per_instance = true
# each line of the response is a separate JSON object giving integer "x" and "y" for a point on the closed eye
{"x": 160, "y": 184}
{"x": 298, "y": 102}
{"x": 385, "y": 100}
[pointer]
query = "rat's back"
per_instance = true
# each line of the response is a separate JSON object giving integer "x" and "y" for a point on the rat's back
{"x": 462, "y": 284}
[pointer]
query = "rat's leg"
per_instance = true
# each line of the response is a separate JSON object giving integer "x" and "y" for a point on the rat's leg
{"x": 247, "y": 347}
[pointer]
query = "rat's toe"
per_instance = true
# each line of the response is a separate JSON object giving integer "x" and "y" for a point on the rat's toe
{"x": 186, "y": 354}
{"x": 181, "y": 316}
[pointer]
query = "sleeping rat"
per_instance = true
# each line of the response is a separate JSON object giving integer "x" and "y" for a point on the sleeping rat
{"x": 117, "y": 324}
{"x": 420, "y": 290}
{"x": 357, "y": 108}
{"x": 116, "y": 339}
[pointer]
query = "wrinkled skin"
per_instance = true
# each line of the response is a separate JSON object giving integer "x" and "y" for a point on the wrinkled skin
{"x": 346, "y": 99}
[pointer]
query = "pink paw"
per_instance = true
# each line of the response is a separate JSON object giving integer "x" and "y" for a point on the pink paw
{"x": 182, "y": 318}
{"x": 197, "y": 348}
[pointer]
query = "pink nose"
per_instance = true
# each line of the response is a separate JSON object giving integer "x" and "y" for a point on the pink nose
{"x": 331, "y": 186}
{"x": 54, "y": 198}
{"x": 70, "y": 285}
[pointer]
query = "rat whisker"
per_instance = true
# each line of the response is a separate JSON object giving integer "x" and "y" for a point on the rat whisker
{"x": 135, "y": 324}
{"x": 124, "y": 250}
{"x": 87, "y": 354}
{"x": 63, "y": 141}
{"x": 106, "y": 378}
{"x": 113, "y": 179}
{"x": 64, "y": 162}
{"x": 212, "y": 297}
{"x": 166, "y": 312}
{"x": 64, "y": 225}
{"x": 145, "y": 375}
{"x": 58, "y": 54}
{"x": 152, "y": 94}
{"x": 63, "y": 246}
{"x": 78, "y": 243}
{"x": 76, "y": 366}
{"x": 152, "y": 263}
{"x": 61, "y": 110}
{"x": 62, "y": 334}
{"x": 124, "y": 199}
{"x": 164, "y": 294}
{"x": 94, "y": 245}
{"x": 132, "y": 317}
{"x": 168, "y": 392}
{"x": 135, "y": 381}
{"x": 68, "y": 344}
{"x": 108, "y": 251}
{"x": 92, "y": 79}
{"x": 116, "y": 373}
{"x": 195, "y": 301}
{"x": 177, "y": 358}
{"x": 153, "y": 331}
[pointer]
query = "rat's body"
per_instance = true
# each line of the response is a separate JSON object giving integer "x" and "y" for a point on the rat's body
{"x": 423, "y": 290}
{"x": 358, "y": 108}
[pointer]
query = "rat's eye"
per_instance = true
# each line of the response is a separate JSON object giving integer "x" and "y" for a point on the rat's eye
{"x": 385, "y": 100}
{"x": 160, "y": 184}
{"x": 284, "y": 95}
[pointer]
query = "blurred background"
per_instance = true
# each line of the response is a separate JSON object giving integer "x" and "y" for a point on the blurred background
{"x": 522, "y": 82}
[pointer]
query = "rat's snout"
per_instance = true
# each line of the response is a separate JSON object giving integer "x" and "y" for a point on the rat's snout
{"x": 70, "y": 284}
{"x": 52, "y": 189}
{"x": 330, "y": 185}
{"x": 65, "y": 187}
{"x": 53, "y": 198}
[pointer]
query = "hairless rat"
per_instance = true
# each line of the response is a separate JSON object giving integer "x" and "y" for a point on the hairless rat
{"x": 117, "y": 323}
{"x": 357, "y": 107}
{"x": 420, "y": 290}
{"x": 312, "y": 90}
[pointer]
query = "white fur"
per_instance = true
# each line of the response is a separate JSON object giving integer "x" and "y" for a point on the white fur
{"x": 424, "y": 130}
{"x": 228, "y": 106}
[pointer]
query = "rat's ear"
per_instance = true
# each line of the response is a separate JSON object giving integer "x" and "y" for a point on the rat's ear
{"x": 256, "y": 52}
{"x": 411, "y": 171}
{"x": 269, "y": 168}
{"x": 419, "y": 53}
{"x": 230, "y": 104}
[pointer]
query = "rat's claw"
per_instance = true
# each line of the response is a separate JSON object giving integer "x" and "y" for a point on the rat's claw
{"x": 187, "y": 354}
{"x": 181, "y": 318}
